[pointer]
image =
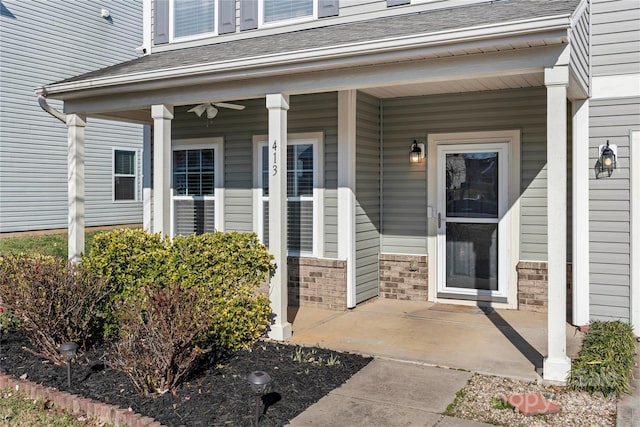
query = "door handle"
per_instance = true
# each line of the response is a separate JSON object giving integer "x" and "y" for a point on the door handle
{"x": 440, "y": 220}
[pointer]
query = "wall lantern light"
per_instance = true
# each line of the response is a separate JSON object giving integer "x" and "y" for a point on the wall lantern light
{"x": 68, "y": 351}
{"x": 607, "y": 160}
{"x": 416, "y": 155}
{"x": 259, "y": 380}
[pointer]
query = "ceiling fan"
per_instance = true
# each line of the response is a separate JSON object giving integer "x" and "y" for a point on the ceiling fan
{"x": 211, "y": 110}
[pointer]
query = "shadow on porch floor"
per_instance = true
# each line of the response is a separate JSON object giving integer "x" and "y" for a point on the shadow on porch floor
{"x": 498, "y": 342}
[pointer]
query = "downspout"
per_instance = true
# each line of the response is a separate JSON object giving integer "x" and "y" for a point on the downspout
{"x": 42, "y": 100}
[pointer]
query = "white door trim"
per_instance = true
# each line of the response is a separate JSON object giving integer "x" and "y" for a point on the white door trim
{"x": 512, "y": 137}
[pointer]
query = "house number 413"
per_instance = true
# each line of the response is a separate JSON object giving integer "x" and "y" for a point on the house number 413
{"x": 274, "y": 167}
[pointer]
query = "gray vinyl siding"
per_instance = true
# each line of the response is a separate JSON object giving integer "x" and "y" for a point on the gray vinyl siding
{"x": 307, "y": 113}
{"x": 367, "y": 196}
{"x": 349, "y": 11}
{"x": 44, "y": 42}
{"x": 404, "y": 188}
{"x": 580, "y": 47}
{"x": 609, "y": 209}
{"x": 615, "y": 37}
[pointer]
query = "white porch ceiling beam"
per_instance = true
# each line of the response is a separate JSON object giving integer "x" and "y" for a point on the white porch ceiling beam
{"x": 292, "y": 81}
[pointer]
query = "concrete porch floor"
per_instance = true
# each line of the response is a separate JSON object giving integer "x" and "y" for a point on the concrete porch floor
{"x": 498, "y": 342}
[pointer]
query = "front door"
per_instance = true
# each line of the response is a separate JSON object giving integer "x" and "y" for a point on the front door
{"x": 472, "y": 201}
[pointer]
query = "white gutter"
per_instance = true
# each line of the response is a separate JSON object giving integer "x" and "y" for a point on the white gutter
{"x": 49, "y": 109}
{"x": 491, "y": 31}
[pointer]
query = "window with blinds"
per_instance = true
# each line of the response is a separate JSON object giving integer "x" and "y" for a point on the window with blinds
{"x": 193, "y": 191}
{"x": 280, "y": 10}
{"x": 300, "y": 201}
{"x": 124, "y": 175}
{"x": 193, "y": 17}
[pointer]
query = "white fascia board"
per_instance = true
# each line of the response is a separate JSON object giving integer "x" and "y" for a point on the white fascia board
{"x": 491, "y": 32}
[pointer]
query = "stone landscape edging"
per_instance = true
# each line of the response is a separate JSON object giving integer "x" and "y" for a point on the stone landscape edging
{"x": 78, "y": 405}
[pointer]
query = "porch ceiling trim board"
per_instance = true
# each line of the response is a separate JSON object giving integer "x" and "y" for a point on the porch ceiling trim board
{"x": 514, "y": 62}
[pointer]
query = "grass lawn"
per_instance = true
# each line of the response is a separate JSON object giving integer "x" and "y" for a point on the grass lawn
{"x": 47, "y": 244}
{"x": 16, "y": 410}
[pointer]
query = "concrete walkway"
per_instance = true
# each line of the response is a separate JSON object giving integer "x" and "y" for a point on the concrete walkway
{"x": 390, "y": 393}
{"x": 409, "y": 383}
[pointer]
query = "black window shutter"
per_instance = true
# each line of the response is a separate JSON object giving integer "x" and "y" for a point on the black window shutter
{"x": 328, "y": 8}
{"x": 161, "y": 22}
{"x": 248, "y": 14}
{"x": 226, "y": 16}
{"x": 391, "y": 3}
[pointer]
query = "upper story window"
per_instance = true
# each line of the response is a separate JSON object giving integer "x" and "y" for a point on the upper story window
{"x": 282, "y": 10}
{"x": 193, "y": 18}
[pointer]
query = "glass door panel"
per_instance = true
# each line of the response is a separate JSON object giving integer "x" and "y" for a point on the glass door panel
{"x": 471, "y": 193}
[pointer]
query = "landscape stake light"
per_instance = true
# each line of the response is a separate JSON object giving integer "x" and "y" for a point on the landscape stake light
{"x": 68, "y": 351}
{"x": 259, "y": 381}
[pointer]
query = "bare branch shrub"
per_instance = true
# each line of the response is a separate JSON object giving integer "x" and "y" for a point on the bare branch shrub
{"x": 55, "y": 301}
{"x": 158, "y": 344}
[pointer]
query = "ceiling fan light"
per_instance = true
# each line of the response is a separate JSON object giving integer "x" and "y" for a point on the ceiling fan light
{"x": 211, "y": 112}
{"x": 198, "y": 109}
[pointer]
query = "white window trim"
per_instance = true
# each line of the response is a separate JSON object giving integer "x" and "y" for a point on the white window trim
{"x": 114, "y": 175}
{"x": 173, "y": 38}
{"x": 317, "y": 140}
{"x": 262, "y": 24}
{"x": 217, "y": 144}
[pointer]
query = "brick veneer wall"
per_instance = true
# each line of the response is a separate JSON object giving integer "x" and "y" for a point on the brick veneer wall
{"x": 319, "y": 283}
{"x": 533, "y": 282}
{"x": 78, "y": 405}
{"x": 404, "y": 277}
{"x": 315, "y": 282}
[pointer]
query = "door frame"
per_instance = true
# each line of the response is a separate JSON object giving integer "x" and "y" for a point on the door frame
{"x": 512, "y": 138}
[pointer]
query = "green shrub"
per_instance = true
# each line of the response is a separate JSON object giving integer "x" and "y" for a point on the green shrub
{"x": 217, "y": 273}
{"x": 604, "y": 364}
{"x": 55, "y": 302}
{"x": 158, "y": 346}
{"x": 127, "y": 259}
{"x": 226, "y": 269}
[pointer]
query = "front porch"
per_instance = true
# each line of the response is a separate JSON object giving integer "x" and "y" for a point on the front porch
{"x": 497, "y": 342}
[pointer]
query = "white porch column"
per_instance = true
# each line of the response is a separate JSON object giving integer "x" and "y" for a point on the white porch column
{"x": 162, "y": 116}
{"x": 580, "y": 213}
{"x": 278, "y": 104}
{"x": 75, "y": 179}
{"x": 347, "y": 188}
{"x": 557, "y": 364}
{"x": 147, "y": 190}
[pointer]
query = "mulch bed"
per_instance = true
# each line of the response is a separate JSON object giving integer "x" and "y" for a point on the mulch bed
{"x": 215, "y": 396}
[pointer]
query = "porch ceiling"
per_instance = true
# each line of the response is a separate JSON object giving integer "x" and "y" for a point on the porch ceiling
{"x": 457, "y": 86}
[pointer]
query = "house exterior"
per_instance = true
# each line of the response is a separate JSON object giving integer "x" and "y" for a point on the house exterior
{"x": 445, "y": 151}
{"x": 40, "y": 41}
